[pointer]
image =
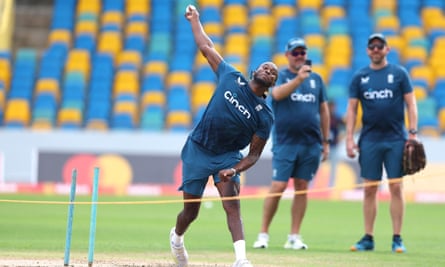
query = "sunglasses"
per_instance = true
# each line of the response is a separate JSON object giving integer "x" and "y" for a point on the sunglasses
{"x": 378, "y": 46}
{"x": 298, "y": 53}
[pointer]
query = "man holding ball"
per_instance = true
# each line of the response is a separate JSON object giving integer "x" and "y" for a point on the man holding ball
{"x": 236, "y": 116}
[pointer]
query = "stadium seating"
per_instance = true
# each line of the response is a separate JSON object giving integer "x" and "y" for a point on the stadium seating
{"x": 133, "y": 64}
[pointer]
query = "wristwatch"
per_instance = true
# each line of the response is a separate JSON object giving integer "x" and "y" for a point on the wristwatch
{"x": 327, "y": 140}
{"x": 412, "y": 131}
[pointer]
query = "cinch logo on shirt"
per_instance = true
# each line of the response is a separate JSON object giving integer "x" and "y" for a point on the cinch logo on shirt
{"x": 303, "y": 98}
{"x": 232, "y": 100}
{"x": 382, "y": 94}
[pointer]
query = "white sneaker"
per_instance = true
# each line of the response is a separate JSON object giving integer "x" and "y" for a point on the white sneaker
{"x": 295, "y": 244}
{"x": 179, "y": 252}
{"x": 242, "y": 263}
{"x": 262, "y": 241}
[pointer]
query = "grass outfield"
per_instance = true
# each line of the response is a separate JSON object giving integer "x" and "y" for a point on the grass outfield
{"x": 136, "y": 233}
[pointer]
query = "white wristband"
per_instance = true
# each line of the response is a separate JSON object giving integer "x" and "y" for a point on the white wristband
{"x": 234, "y": 171}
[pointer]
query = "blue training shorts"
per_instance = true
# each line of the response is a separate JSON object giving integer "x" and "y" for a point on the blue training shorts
{"x": 374, "y": 155}
{"x": 297, "y": 161}
{"x": 198, "y": 164}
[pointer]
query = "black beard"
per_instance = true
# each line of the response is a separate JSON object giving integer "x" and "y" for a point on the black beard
{"x": 261, "y": 82}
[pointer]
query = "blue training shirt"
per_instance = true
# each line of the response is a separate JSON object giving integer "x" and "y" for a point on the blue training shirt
{"x": 381, "y": 94}
{"x": 233, "y": 115}
{"x": 297, "y": 117}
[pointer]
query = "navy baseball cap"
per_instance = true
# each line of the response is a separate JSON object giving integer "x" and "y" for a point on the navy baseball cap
{"x": 295, "y": 43}
{"x": 377, "y": 36}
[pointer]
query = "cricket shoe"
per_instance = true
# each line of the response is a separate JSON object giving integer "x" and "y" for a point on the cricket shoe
{"x": 242, "y": 263}
{"x": 178, "y": 251}
{"x": 262, "y": 241}
{"x": 296, "y": 244}
{"x": 365, "y": 244}
{"x": 397, "y": 245}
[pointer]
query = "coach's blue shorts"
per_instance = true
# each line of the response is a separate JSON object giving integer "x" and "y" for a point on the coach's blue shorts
{"x": 297, "y": 161}
{"x": 374, "y": 155}
{"x": 198, "y": 164}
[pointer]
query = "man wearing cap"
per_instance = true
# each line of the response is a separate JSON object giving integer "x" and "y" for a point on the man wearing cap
{"x": 382, "y": 89}
{"x": 300, "y": 139}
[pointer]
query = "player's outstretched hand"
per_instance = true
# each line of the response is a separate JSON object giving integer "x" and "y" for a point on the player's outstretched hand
{"x": 190, "y": 11}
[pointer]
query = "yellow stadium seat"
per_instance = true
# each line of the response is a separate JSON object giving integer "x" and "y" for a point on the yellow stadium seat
{"x": 112, "y": 17}
{"x": 97, "y": 125}
{"x": 280, "y": 60}
{"x": 322, "y": 71}
{"x": 439, "y": 72}
{"x": 90, "y": 6}
{"x": 415, "y": 52}
{"x": 178, "y": 118}
{"x": 236, "y": 49}
{"x": 420, "y": 92}
{"x": 18, "y": 111}
{"x": 388, "y": 23}
{"x": 430, "y": 15}
{"x": 330, "y": 12}
{"x": 48, "y": 85}
{"x": 315, "y": 41}
{"x": 260, "y": 4}
{"x": 438, "y": 23}
{"x": 201, "y": 94}
{"x": 60, "y": 36}
{"x": 86, "y": 27}
{"x": 384, "y": 4}
{"x": 127, "y": 107}
{"x": 396, "y": 42}
{"x": 110, "y": 42}
{"x": 126, "y": 82}
{"x": 210, "y": 3}
{"x": 129, "y": 57}
{"x": 280, "y": 12}
{"x": 200, "y": 60}
{"x": 423, "y": 72}
{"x": 153, "y": 98}
{"x": 441, "y": 119}
{"x": 78, "y": 60}
{"x": 69, "y": 116}
{"x": 429, "y": 131}
{"x": 41, "y": 125}
{"x": 237, "y": 44}
{"x": 340, "y": 41}
{"x": 156, "y": 67}
{"x": 411, "y": 32}
{"x": 235, "y": 15}
{"x": 2, "y": 99}
{"x": 137, "y": 28}
{"x": 5, "y": 72}
{"x": 310, "y": 4}
{"x": 262, "y": 25}
{"x": 213, "y": 29}
{"x": 133, "y": 7}
{"x": 183, "y": 78}
{"x": 241, "y": 67}
{"x": 336, "y": 61}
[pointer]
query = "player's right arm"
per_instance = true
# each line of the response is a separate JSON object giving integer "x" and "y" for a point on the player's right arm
{"x": 202, "y": 40}
{"x": 351, "y": 116}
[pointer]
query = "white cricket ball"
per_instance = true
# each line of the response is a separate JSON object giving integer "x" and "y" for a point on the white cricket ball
{"x": 189, "y": 8}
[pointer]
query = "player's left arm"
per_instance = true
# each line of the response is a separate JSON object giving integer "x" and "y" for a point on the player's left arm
{"x": 325, "y": 122}
{"x": 411, "y": 106}
{"x": 255, "y": 149}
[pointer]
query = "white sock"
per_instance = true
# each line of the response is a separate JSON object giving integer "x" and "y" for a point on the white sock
{"x": 293, "y": 237}
{"x": 178, "y": 239}
{"x": 240, "y": 249}
{"x": 263, "y": 235}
